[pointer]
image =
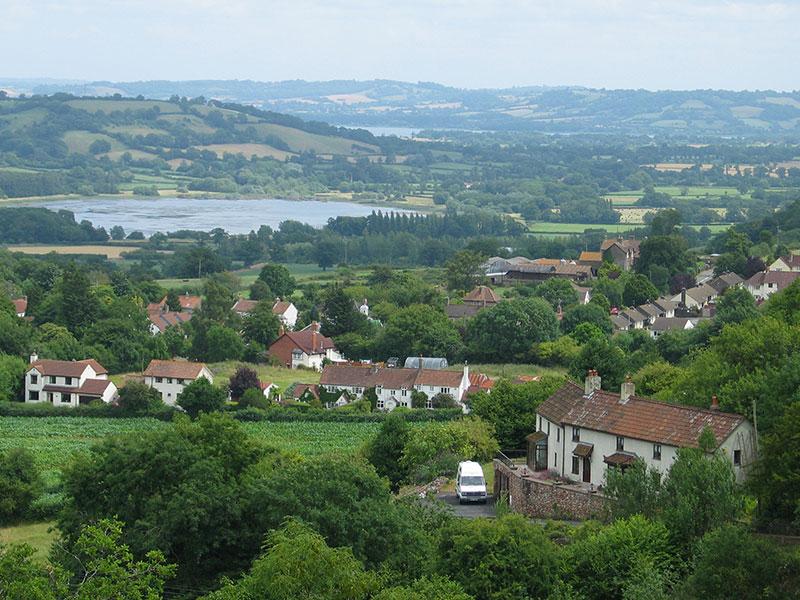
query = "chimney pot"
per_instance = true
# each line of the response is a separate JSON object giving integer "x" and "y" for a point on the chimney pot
{"x": 714, "y": 402}
{"x": 627, "y": 390}
{"x": 592, "y": 383}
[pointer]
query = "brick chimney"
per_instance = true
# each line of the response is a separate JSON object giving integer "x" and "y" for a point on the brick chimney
{"x": 592, "y": 383}
{"x": 627, "y": 390}
{"x": 714, "y": 402}
{"x": 34, "y": 357}
{"x": 314, "y": 334}
{"x": 419, "y": 366}
{"x": 281, "y": 330}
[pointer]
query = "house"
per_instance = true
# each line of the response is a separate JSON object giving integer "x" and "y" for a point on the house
{"x": 67, "y": 382}
{"x": 583, "y": 431}
{"x": 269, "y": 389}
{"x": 789, "y": 263}
{"x": 478, "y": 382}
{"x": 662, "y": 324}
{"x": 584, "y": 293}
{"x": 169, "y": 377}
{"x": 305, "y": 348}
{"x": 161, "y": 321}
{"x": 650, "y": 311}
{"x": 591, "y": 259}
{"x": 667, "y": 306}
{"x": 461, "y": 311}
{"x": 20, "y": 306}
{"x": 723, "y": 282}
{"x": 190, "y": 303}
{"x": 481, "y": 297}
{"x": 286, "y": 313}
{"x": 394, "y": 387}
{"x": 363, "y": 308}
{"x": 621, "y": 252}
{"x": 244, "y": 307}
{"x": 765, "y": 283}
{"x": 696, "y": 297}
{"x": 636, "y": 319}
{"x": 621, "y": 323}
{"x": 302, "y": 392}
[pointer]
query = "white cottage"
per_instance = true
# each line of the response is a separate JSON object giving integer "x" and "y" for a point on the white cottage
{"x": 584, "y": 431}
{"x": 67, "y": 382}
{"x": 169, "y": 377}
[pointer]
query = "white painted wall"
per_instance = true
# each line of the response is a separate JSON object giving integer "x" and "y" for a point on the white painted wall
{"x": 171, "y": 387}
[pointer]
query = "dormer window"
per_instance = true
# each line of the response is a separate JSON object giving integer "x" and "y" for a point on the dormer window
{"x": 34, "y": 378}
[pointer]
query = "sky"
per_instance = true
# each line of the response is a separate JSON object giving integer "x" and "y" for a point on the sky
{"x": 677, "y": 44}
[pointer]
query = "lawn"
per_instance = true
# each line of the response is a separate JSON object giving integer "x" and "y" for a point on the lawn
{"x": 281, "y": 376}
{"x": 511, "y": 370}
{"x": 54, "y": 440}
{"x": 112, "y": 252}
{"x": 40, "y": 536}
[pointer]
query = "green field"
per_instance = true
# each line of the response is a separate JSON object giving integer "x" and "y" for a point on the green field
{"x": 54, "y": 440}
{"x": 280, "y": 376}
{"x": 569, "y": 228}
{"x": 37, "y": 535}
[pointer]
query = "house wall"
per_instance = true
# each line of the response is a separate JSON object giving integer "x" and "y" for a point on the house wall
{"x": 171, "y": 387}
{"x": 546, "y": 499}
{"x": 742, "y": 438}
{"x": 289, "y": 318}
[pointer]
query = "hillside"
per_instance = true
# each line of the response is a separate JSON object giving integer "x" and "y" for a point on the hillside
{"x": 430, "y": 105}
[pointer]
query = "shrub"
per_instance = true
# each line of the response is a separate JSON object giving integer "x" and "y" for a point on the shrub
{"x": 20, "y": 483}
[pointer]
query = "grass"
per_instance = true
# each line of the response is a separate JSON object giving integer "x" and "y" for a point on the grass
{"x": 40, "y": 536}
{"x": 302, "y": 141}
{"x": 109, "y": 106}
{"x": 55, "y": 440}
{"x": 570, "y": 228}
{"x": 281, "y": 376}
{"x": 511, "y": 370}
{"x": 80, "y": 141}
{"x": 247, "y": 150}
{"x": 112, "y": 252}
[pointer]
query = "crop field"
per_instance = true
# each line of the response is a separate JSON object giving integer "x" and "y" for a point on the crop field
{"x": 54, "y": 440}
{"x": 570, "y": 228}
{"x": 247, "y": 150}
{"x": 112, "y": 252}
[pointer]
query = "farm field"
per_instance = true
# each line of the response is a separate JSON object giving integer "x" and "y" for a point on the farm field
{"x": 54, "y": 440}
{"x": 112, "y": 252}
{"x": 36, "y": 535}
{"x": 569, "y": 228}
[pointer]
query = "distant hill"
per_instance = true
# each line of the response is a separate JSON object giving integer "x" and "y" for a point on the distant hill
{"x": 430, "y": 105}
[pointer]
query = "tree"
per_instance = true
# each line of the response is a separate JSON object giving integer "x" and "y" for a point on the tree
{"x": 326, "y": 252}
{"x": 664, "y": 251}
{"x": 638, "y": 290}
{"x": 700, "y": 493}
{"x": 254, "y": 398}
{"x": 262, "y": 325}
{"x": 278, "y": 279}
{"x": 135, "y": 396}
{"x": 586, "y": 313}
{"x": 178, "y": 489}
{"x": 20, "y": 483}
{"x": 604, "y": 357}
{"x": 223, "y": 343}
{"x": 785, "y": 305}
{"x": 730, "y": 562}
{"x": 557, "y": 292}
{"x": 77, "y": 306}
{"x": 12, "y": 374}
{"x": 511, "y": 409}
{"x": 507, "y": 331}
{"x": 242, "y": 380}
{"x": 463, "y": 270}
{"x": 219, "y": 298}
{"x": 201, "y": 396}
{"x": 635, "y": 490}
{"x": 665, "y": 222}
{"x": 419, "y": 330}
{"x": 339, "y": 313}
{"x": 434, "y": 588}
{"x": 735, "y": 306}
{"x": 117, "y": 233}
{"x": 600, "y": 564}
{"x": 261, "y": 291}
{"x": 385, "y": 450}
{"x": 297, "y": 563}
{"x": 499, "y": 558}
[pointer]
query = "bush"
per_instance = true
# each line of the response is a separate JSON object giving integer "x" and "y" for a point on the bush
{"x": 386, "y": 449}
{"x": 201, "y": 396}
{"x": 137, "y": 397}
{"x": 254, "y": 398}
{"x": 43, "y": 409}
{"x": 20, "y": 484}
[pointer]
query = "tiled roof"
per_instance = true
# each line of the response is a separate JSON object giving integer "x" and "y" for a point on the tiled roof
{"x": 701, "y": 293}
{"x": 792, "y": 261}
{"x": 90, "y": 387}
{"x": 725, "y": 281}
{"x": 649, "y": 310}
{"x": 297, "y": 390}
{"x": 67, "y": 368}
{"x": 190, "y": 302}
{"x": 667, "y": 323}
{"x": 781, "y": 279}
{"x": 666, "y": 304}
{"x": 633, "y": 315}
{"x": 20, "y": 305}
{"x": 280, "y": 307}
{"x": 620, "y": 322}
{"x": 164, "y": 320}
{"x": 588, "y": 256}
{"x": 462, "y": 311}
{"x": 179, "y": 369}
{"x": 367, "y": 376}
{"x": 639, "y": 418}
{"x": 308, "y": 340}
{"x": 551, "y": 262}
{"x": 482, "y": 295}
{"x": 620, "y": 459}
{"x": 532, "y": 268}
{"x": 625, "y": 244}
{"x": 244, "y": 306}
{"x": 157, "y": 306}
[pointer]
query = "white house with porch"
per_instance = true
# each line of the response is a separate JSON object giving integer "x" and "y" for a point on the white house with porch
{"x": 67, "y": 383}
{"x": 582, "y": 431}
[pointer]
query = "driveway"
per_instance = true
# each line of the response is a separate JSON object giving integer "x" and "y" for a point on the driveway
{"x": 469, "y": 511}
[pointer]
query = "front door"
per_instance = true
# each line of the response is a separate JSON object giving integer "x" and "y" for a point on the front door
{"x": 587, "y": 470}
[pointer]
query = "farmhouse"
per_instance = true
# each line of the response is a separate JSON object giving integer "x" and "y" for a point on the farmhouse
{"x": 285, "y": 311}
{"x": 169, "y": 377}
{"x": 305, "y": 348}
{"x": 583, "y": 431}
{"x": 394, "y": 387}
{"x": 623, "y": 253}
{"x": 67, "y": 382}
{"x": 501, "y": 270}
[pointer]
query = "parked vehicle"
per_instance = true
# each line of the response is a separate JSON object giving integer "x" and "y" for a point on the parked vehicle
{"x": 470, "y": 484}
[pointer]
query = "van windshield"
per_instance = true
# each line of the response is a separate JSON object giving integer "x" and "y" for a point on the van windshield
{"x": 471, "y": 480}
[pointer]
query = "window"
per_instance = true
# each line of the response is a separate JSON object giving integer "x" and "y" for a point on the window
{"x": 169, "y": 379}
{"x": 428, "y": 403}
{"x": 67, "y": 380}
{"x": 52, "y": 379}
{"x": 576, "y": 434}
{"x": 66, "y": 398}
{"x": 404, "y": 392}
{"x": 576, "y": 465}
{"x": 558, "y": 434}
{"x": 444, "y": 390}
{"x": 34, "y": 379}
{"x": 737, "y": 457}
{"x": 380, "y": 404}
{"x": 159, "y": 380}
{"x": 620, "y": 443}
{"x": 180, "y": 381}
{"x": 540, "y": 423}
{"x": 33, "y": 396}
{"x": 656, "y": 451}
{"x": 555, "y": 459}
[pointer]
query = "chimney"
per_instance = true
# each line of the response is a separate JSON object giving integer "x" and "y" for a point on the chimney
{"x": 683, "y": 296}
{"x": 466, "y": 372}
{"x": 314, "y": 334}
{"x": 592, "y": 382}
{"x": 34, "y": 357}
{"x": 627, "y": 390}
{"x": 714, "y": 402}
{"x": 281, "y": 330}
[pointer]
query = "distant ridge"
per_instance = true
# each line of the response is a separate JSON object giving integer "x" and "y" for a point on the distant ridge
{"x": 565, "y": 109}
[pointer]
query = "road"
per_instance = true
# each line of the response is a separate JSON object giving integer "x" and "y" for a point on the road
{"x": 469, "y": 511}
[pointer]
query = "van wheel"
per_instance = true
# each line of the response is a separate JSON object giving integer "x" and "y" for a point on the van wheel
{"x": 461, "y": 501}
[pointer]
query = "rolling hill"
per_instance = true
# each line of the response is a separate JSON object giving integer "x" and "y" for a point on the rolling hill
{"x": 429, "y": 105}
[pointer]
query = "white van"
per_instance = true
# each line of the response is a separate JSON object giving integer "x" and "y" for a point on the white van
{"x": 470, "y": 484}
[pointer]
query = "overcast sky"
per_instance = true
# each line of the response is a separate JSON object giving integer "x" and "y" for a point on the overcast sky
{"x": 678, "y": 44}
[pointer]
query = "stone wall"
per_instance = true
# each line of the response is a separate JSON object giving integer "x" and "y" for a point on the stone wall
{"x": 545, "y": 499}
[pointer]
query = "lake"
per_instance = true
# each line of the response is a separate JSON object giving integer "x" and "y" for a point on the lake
{"x": 150, "y": 215}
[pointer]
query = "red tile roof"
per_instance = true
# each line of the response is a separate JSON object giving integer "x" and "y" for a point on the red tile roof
{"x": 792, "y": 261}
{"x": 482, "y": 294}
{"x": 164, "y": 320}
{"x": 179, "y": 369}
{"x": 67, "y": 368}
{"x": 639, "y": 418}
{"x": 190, "y": 302}
{"x": 280, "y": 307}
{"x": 308, "y": 340}
{"x": 20, "y": 305}
{"x": 367, "y": 376}
{"x": 245, "y": 306}
{"x": 587, "y": 256}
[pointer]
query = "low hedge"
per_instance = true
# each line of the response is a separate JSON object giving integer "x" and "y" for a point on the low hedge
{"x": 44, "y": 409}
{"x": 297, "y": 413}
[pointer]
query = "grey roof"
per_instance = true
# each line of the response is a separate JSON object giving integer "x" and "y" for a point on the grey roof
{"x": 462, "y": 311}
{"x": 667, "y": 323}
{"x": 620, "y": 322}
{"x": 633, "y": 315}
{"x": 650, "y": 310}
{"x": 428, "y": 362}
{"x": 666, "y": 304}
{"x": 725, "y": 281}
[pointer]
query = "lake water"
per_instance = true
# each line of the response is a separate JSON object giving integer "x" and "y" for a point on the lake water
{"x": 201, "y": 214}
